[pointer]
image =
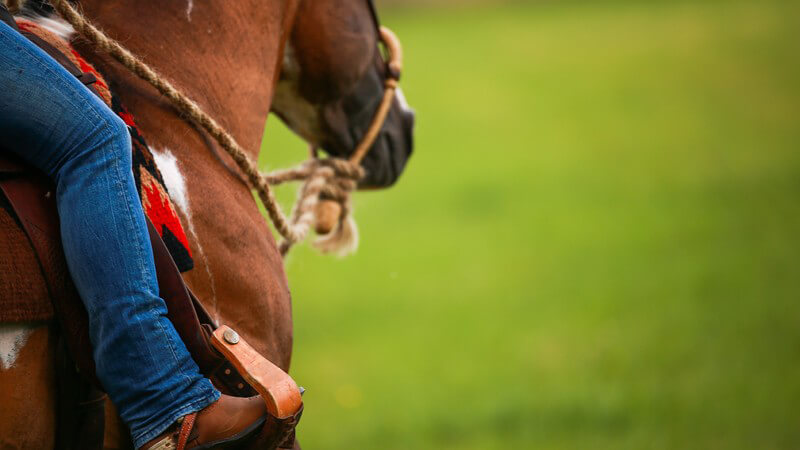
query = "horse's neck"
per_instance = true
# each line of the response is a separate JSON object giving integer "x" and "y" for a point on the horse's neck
{"x": 226, "y": 58}
{"x": 224, "y": 55}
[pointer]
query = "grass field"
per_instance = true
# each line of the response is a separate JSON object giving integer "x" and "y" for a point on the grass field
{"x": 595, "y": 244}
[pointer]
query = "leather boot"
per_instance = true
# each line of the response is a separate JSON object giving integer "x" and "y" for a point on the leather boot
{"x": 226, "y": 423}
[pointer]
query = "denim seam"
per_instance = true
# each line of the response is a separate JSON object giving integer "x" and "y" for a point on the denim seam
{"x": 145, "y": 276}
{"x": 144, "y": 279}
{"x": 130, "y": 226}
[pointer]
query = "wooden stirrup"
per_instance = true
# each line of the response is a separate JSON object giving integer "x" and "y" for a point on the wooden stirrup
{"x": 276, "y": 387}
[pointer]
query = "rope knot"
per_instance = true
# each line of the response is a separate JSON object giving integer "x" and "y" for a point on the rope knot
{"x": 344, "y": 168}
{"x": 323, "y": 202}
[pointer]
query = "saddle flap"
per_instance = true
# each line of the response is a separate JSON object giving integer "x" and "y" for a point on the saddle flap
{"x": 32, "y": 196}
{"x": 9, "y": 164}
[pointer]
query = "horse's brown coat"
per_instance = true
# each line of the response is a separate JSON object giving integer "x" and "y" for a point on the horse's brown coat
{"x": 219, "y": 60}
{"x": 227, "y": 58}
{"x": 27, "y": 394}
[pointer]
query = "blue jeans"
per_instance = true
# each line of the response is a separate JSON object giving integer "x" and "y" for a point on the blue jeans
{"x": 55, "y": 123}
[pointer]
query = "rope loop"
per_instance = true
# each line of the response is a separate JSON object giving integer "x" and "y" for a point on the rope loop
{"x": 325, "y": 180}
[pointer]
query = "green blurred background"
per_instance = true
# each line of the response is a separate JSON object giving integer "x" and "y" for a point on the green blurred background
{"x": 595, "y": 244}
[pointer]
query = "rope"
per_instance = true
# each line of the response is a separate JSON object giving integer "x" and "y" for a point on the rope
{"x": 325, "y": 179}
{"x": 330, "y": 176}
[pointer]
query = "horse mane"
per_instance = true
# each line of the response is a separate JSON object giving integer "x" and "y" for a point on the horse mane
{"x": 41, "y": 13}
{"x": 53, "y": 24}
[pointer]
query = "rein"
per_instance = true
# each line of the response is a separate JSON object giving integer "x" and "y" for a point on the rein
{"x": 324, "y": 197}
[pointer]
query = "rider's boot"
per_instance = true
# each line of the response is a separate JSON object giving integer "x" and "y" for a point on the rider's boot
{"x": 227, "y": 422}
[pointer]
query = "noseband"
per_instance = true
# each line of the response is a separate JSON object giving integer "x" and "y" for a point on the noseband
{"x": 324, "y": 199}
{"x": 393, "y": 69}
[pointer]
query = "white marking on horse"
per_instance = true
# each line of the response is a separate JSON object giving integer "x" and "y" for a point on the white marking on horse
{"x": 401, "y": 99}
{"x": 173, "y": 179}
{"x": 54, "y": 24}
{"x": 189, "y": 8}
{"x": 299, "y": 114}
{"x": 176, "y": 186}
{"x": 13, "y": 337}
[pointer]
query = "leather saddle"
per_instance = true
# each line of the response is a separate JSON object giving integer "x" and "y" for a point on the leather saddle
{"x": 231, "y": 364}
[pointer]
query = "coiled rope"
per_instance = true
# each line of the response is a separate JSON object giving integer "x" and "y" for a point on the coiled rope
{"x": 327, "y": 180}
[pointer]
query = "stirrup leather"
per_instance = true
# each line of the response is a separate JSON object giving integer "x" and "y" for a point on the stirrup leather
{"x": 177, "y": 441}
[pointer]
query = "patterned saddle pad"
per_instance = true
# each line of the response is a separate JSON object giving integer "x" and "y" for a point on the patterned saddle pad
{"x": 23, "y": 293}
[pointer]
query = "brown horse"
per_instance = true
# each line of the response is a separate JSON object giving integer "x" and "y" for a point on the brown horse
{"x": 313, "y": 62}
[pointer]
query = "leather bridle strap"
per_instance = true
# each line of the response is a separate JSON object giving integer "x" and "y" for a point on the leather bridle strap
{"x": 374, "y": 12}
{"x": 329, "y": 212}
{"x": 394, "y": 68}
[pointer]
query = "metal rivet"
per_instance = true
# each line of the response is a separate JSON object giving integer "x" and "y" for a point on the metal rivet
{"x": 227, "y": 371}
{"x": 231, "y": 337}
{"x": 240, "y": 385}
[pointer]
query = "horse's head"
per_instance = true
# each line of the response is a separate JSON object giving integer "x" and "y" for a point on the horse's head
{"x": 332, "y": 82}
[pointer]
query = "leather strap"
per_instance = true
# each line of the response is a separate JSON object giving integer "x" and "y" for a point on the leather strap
{"x": 187, "y": 425}
{"x": 192, "y": 321}
{"x": 81, "y": 406}
{"x": 87, "y": 79}
{"x": 6, "y": 17}
{"x": 34, "y": 201}
{"x": 179, "y": 304}
{"x": 278, "y": 433}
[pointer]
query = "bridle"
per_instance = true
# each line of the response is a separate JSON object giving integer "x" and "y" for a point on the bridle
{"x": 329, "y": 211}
{"x": 324, "y": 199}
{"x": 394, "y": 67}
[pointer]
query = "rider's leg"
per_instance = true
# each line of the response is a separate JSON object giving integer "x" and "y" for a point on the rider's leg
{"x": 55, "y": 123}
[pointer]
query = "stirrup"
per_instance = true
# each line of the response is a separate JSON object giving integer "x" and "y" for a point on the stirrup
{"x": 279, "y": 391}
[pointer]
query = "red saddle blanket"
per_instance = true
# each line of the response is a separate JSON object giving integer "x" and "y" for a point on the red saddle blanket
{"x": 23, "y": 292}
